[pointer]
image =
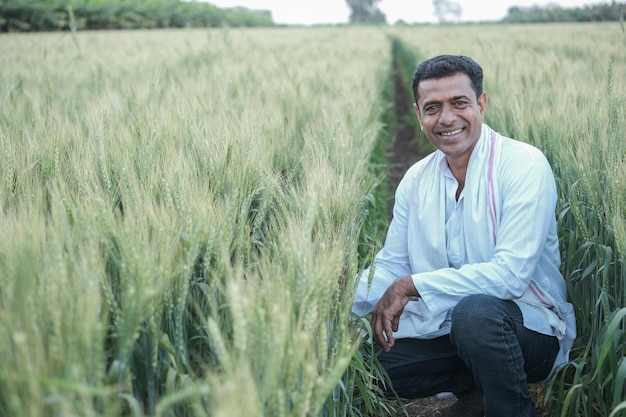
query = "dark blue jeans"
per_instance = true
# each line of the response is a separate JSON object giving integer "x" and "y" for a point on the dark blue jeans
{"x": 488, "y": 348}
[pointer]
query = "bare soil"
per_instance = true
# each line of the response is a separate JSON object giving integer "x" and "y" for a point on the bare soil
{"x": 405, "y": 149}
{"x": 428, "y": 407}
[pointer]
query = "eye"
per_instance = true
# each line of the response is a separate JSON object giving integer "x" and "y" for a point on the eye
{"x": 459, "y": 104}
{"x": 430, "y": 109}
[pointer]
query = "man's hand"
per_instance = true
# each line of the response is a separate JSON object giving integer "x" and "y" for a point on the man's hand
{"x": 386, "y": 313}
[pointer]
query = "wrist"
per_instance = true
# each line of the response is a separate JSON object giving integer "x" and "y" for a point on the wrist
{"x": 407, "y": 287}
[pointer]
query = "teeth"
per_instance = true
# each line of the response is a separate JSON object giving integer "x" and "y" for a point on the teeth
{"x": 454, "y": 132}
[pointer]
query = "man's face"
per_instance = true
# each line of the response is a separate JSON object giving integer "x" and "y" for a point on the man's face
{"x": 450, "y": 115}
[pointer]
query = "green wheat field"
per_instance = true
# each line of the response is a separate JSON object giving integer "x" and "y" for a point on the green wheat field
{"x": 183, "y": 212}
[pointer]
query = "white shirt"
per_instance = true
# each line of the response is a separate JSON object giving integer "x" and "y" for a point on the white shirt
{"x": 499, "y": 238}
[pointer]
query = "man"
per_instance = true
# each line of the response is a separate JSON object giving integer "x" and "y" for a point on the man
{"x": 466, "y": 294}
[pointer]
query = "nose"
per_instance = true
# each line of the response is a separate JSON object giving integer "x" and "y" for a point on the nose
{"x": 448, "y": 115}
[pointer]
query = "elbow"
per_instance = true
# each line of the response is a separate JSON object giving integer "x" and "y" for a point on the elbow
{"x": 515, "y": 282}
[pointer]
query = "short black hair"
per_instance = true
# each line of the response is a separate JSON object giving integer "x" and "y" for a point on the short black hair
{"x": 446, "y": 65}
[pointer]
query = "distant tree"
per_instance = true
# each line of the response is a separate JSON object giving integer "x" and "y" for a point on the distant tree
{"x": 447, "y": 10}
{"x": 365, "y": 11}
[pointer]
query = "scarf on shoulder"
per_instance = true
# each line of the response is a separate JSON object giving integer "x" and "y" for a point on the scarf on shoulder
{"x": 428, "y": 251}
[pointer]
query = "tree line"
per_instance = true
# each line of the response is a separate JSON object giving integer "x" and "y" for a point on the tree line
{"x": 367, "y": 11}
{"x": 554, "y": 13}
{"x": 53, "y": 15}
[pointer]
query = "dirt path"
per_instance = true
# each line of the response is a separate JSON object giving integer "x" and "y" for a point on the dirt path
{"x": 405, "y": 150}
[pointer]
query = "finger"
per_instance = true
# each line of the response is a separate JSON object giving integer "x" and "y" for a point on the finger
{"x": 382, "y": 342}
{"x": 395, "y": 323}
{"x": 377, "y": 330}
{"x": 389, "y": 333}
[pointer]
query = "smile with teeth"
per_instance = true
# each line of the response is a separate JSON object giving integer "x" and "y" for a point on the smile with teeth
{"x": 454, "y": 132}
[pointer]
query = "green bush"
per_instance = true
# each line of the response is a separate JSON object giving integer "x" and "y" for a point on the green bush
{"x": 29, "y": 16}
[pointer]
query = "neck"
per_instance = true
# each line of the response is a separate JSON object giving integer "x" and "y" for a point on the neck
{"x": 458, "y": 168}
{"x": 458, "y": 171}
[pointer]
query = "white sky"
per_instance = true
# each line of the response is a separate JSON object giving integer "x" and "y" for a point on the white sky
{"x": 411, "y": 11}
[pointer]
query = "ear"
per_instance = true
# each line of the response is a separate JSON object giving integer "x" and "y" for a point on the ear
{"x": 419, "y": 115}
{"x": 482, "y": 103}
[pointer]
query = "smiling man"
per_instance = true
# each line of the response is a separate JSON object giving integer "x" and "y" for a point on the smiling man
{"x": 466, "y": 294}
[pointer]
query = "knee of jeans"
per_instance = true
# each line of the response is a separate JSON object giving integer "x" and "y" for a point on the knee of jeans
{"x": 471, "y": 306}
{"x": 469, "y": 314}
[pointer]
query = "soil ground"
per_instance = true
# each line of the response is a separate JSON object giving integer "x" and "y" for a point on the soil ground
{"x": 405, "y": 149}
{"x": 429, "y": 407}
